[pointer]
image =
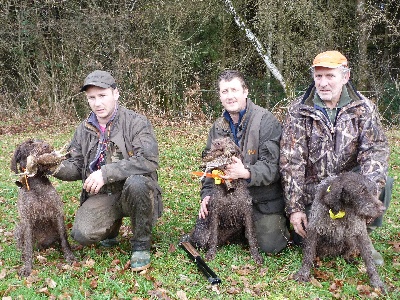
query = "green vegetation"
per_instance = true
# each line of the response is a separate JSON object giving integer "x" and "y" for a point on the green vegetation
{"x": 103, "y": 273}
{"x": 166, "y": 55}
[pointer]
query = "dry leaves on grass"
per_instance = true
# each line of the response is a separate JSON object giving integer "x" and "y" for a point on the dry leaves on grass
{"x": 3, "y": 273}
{"x": 181, "y": 295}
{"x": 243, "y": 270}
{"x": 395, "y": 245}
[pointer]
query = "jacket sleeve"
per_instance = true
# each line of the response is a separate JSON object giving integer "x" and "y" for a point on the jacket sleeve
{"x": 293, "y": 155}
{"x": 373, "y": 155}
{"x": 71, "y": 168}
{"x": 265, "y": 170}
{"x": 141, "y": 144}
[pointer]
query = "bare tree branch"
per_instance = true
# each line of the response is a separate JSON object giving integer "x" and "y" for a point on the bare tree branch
{"x": 256, "y": 43}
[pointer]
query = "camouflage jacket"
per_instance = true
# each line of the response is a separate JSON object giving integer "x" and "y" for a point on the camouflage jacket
{"x": 259, "y": 133}
{"x": 132, "y": 149}
{"x": 312, "y": 148}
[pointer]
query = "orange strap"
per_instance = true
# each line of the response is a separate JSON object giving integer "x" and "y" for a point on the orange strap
{"x": 210, "y": 175}
{"x": 26, "y": 179}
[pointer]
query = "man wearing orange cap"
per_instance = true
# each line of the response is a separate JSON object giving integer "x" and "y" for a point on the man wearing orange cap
{"x": 331, "y": 129}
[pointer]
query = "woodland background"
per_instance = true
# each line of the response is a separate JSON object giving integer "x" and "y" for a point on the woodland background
{"x": 166, "y": 55}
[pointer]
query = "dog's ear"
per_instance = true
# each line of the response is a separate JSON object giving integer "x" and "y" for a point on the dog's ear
{"x": 15, "y": 160}
{"x": 18, "y": 160}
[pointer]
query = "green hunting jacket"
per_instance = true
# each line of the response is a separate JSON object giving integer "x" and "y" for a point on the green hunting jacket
{"x": 132, "y": 150}
{"x": 259, "y": 133}
{"x": 313, "y": 148}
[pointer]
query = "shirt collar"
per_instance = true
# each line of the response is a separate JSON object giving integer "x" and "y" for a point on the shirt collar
{"x": 228, "y": 117}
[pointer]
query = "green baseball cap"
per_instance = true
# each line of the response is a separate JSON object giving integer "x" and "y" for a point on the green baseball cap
{"x": 99, "y": 78}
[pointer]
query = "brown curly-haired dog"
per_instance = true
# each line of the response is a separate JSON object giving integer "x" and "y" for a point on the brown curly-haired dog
{"x": 39, "y": 206}
{"x": 230, "y": 212}
{"x": 337, "y": 225}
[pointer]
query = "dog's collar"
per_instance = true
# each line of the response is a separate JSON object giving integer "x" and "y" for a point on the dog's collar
{"x": 339, "y": 215}
{"x": 333, "y": 216}
{"x": 215, "y": 174}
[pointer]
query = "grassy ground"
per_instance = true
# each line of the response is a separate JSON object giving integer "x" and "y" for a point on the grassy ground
{"x": 103, "y": 273}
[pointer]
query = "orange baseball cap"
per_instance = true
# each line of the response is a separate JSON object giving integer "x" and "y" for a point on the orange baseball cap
{"x": 330, "y": 59}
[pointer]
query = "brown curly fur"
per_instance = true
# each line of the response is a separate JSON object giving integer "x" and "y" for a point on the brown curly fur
{"x": 230, "y": 209}
{"x": 349, "y": 192}
{"x": 39, "y": 206}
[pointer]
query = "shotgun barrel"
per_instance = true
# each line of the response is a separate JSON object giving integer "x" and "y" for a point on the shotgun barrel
{"x": 201, "y": 264}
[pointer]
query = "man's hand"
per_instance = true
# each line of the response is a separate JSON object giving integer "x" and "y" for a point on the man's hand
{"x": 203, "y": 213}
{"x": 94, "y": 182}
{"x": 236, "y": 170}
{"x": 299, "y": 222}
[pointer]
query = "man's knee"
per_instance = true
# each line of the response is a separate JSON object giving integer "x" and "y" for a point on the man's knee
{"x": 137, "y": 184}
{"x": 385, "y": 196}
{"x": 83, "y": 238}
{"x": 96, "y": 219}
{"x": 272, "y": 233}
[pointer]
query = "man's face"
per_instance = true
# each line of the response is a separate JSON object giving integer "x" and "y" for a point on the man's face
{"x": 232, "y": 95}
{"x": 329, "y": 83}
{"x": 102, "y": 102}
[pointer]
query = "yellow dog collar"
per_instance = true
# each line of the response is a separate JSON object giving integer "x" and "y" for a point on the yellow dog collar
{"x": 217, "y": 174}
{"x": 339, "y": 215}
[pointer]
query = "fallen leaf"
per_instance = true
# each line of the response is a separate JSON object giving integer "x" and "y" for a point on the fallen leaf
{"x": 363, "y": 289}
{"x": 50, "y": 283}
{"x": 233, "y": 290}
{"x": 263, "y": 272}
{"x": 215, "y": 288}
{"x": 3, "y": 273}
{"x": 159, "y": 294}
{"x": 41, "y": 259}
{"x": 127, "y": 265}
{"x": 243, "y": 272}
{"x": 181, "y": 295}
{"x": 396, "y": 246}
{"x": 89, "y": 263}
{"x": 172, "y": 248}
{"x": 44, "y": 290}
{"x": 115, "y": 262}
{"x": 183, "y": 277}
{"x": 321, "y": 275}
{"x": 93, "y": 284}
{"x": 334, "y": 288}
{"x": 315, "y": 282}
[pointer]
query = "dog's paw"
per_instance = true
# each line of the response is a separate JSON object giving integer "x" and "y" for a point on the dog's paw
{"x": 378, "y": 284}
{"x": 258, "y": 259}
{"x": 71, "y": 259}
{"x": 210, "y": 255}
{"x": 24, "y": 271}
{"x": 301, "y": 277}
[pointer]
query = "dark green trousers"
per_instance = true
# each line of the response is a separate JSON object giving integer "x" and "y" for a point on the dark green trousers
{"x": 272, "y": 232}
{"x": 100, "y": 216}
